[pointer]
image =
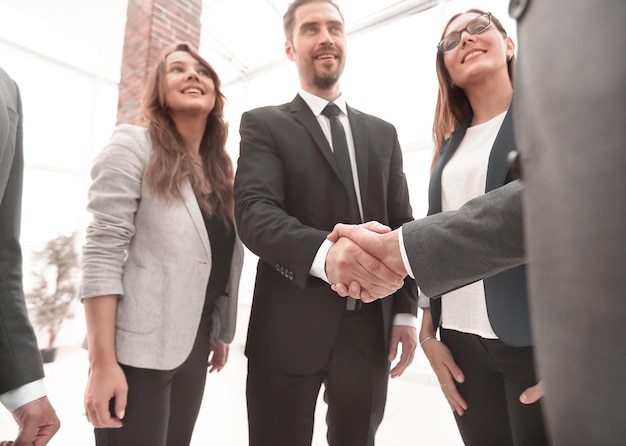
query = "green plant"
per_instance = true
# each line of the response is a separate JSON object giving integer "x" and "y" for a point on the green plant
{"x": 56, "y": 276}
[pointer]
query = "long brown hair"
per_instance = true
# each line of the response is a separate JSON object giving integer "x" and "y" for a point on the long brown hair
{"x": 171, "y": 162}
{"x": 453, "y": 107}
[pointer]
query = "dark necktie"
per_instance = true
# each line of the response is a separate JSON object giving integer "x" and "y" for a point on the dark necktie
{"x": 342, "y": 158}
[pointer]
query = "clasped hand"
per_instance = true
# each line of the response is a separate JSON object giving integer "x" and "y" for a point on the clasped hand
{"x": 364, "y": 261}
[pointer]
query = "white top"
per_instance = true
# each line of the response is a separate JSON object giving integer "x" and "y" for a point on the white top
{"x": 464, "y": 178}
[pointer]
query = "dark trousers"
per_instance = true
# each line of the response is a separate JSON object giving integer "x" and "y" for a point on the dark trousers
{"x": 281, "y": 406}
{"x": 163, "y": 404}
{"x": 496, "y": 374}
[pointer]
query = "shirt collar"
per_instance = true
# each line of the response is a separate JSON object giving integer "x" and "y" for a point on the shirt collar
{"x": 317, "y": 104}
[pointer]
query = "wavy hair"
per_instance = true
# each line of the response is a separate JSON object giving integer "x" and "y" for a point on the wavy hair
{"x": 453, "y": 107}
{"x": 171, "y": 162}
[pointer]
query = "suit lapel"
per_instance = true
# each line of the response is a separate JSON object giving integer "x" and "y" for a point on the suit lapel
{"x": 193, "y": 209}
{"x": 448, "y": 149}
{"x": 4, "y": 123}
{"x": 303, "y": 114}
{"x": 7, "y": 151}
{"x": 498, "y": 167}
{"x": 358, "y": 125}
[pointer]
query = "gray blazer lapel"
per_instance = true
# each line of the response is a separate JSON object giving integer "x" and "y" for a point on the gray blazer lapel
{"x": 7, "y": 107}
{"x": 4, "y": 123}
{"x": 191, "y": 203}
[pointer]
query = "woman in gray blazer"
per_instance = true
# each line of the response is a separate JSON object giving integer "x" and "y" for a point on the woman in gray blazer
{"x": 162, "y": 261}
{"x": 484, "y": 361}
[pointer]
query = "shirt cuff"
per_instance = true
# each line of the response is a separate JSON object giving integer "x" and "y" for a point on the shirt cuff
{"x": 405, "y": 258}
{"x": 423, "y": 301}
{"x": 16, "y": 398}
{"x": 318, "y": 268}
{"x": 405, "y": 319}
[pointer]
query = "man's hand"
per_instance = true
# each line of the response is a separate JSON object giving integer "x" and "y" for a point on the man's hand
{"x": 219, "y": 355}
{"x": 532, "y": 394}
{"x": 37, "y": 421}
{"x": 380, "y": 243}
{"x": 407, "y": 336}
{"x": 346, "y": 262}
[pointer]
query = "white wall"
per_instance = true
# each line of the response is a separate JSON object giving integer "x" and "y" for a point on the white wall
{"x": 66, "y": 57}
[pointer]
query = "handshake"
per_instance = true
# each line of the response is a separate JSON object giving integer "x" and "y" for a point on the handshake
{"x": 365, "y": 261}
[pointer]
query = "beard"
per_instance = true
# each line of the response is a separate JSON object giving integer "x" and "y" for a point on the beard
{"x": 325, "y": 81}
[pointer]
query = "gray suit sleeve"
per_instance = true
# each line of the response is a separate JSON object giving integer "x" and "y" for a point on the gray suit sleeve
{"x": 452, "y": 249}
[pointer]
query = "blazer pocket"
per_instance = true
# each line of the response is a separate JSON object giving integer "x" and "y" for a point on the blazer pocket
{"x": 141, "y": 308}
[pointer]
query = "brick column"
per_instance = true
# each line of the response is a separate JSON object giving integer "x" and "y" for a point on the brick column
{"x": 151, "y": 26}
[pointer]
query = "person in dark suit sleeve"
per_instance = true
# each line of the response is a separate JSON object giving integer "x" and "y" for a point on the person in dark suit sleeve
{"x": 22, "y": 389}
{"x": 289, "y": 195}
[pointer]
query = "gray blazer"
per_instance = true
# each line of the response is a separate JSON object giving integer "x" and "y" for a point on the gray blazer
{"x": 570, "y": 90}
{"x": 19, "y": 354}
{"x": 154, "y": 254}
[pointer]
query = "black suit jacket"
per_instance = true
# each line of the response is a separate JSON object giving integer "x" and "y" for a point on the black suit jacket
{"x": 19, "y": 356}
{"x": 506, "y": 293}
{"x": 288, "y": 197}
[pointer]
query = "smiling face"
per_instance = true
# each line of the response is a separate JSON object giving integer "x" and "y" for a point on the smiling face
{"x": 188, "y": 86}
{"x": 317, "y": 46}
{"x": 477, "y": 56}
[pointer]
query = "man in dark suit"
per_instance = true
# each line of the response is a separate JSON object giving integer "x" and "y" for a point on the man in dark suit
{"x": 289, "y": 194}
{"x": 21, "y": 370}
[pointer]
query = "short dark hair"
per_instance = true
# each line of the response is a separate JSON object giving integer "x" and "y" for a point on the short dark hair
{"x": 290, "y": 16}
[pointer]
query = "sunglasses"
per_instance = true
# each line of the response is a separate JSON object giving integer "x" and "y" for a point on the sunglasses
{"x": 475, "y": 26}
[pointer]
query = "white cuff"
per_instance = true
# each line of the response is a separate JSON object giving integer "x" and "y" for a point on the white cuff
{"x": 405, "y": 319}
{"x": 318, "y": 268}
{"x": 405, "y": 258}
{"x": 16, "y": 398}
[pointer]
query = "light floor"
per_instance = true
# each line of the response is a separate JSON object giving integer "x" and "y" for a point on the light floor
{"x": 416, "y": 414}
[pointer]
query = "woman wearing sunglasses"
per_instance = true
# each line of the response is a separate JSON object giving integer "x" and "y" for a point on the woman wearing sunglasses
{"x": 484, "y": 361}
